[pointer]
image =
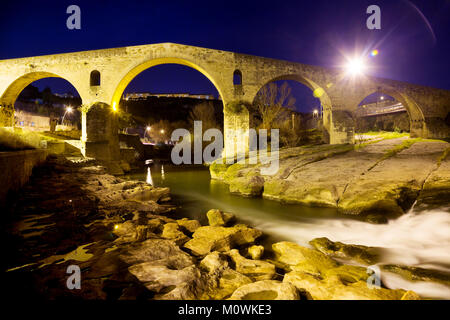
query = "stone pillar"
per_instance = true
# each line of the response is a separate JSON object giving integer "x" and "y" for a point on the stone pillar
{"x": 6, "y": 115}
{"x": 435, "y": 128}
{"x": 100, "y": 138}
{"x": 236, "y": 128}
{"x": 342, "y": 127}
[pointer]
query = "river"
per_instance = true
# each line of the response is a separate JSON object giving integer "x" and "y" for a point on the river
{"x": 414, "y": 239}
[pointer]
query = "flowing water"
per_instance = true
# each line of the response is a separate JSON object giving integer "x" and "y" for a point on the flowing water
{"x": 414, "y": 239}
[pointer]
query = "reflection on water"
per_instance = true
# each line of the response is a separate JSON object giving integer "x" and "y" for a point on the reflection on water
{"x": 421, "y": 240}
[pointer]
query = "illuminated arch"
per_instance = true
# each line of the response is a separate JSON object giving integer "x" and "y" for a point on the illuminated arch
{"x": 11, "y": 94}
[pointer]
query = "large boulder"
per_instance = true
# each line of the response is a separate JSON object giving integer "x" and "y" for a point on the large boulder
{"x": 156, "y": 249}
{"x": 222, "y": 280}
{"x": 189, "y": 225}
{"x": 418, "y": 274}
{"x": 208, "y": 238}
{"x": 292, "y": 254}
{"x": 248, "y": 186}
{"x": 266, "y": 290}
{"x": 334, "y": 288}
{"x": 172, "y": 231}
{"x": 170, "y": 283}
{"x": 362, "y": 254}
{"x": 217, "y": 218}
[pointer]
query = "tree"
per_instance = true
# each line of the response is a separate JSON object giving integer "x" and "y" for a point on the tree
{"x": 125, "y": 120}
{"x": 204, "y": 112}
{"x": 272, "y": 104}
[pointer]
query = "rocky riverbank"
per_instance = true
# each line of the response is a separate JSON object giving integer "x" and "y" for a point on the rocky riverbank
{"x": 128, "y": 245}
{"x": 376, "y": 179}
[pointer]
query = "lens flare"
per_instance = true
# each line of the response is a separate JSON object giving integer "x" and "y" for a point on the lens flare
{"x": 374, "y": 53}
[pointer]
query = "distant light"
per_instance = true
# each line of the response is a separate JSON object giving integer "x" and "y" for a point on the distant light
{"x": 116, "y": 227}
{"x": 355, "y": 67}
{"x": 315, "y": 111}
{"x": 373, "y": 53}
{"x": 69, "y": 109}
{"x": 148, "y": 128}
{"x": 162, "y": 131}
{"x": 382, "y": 98}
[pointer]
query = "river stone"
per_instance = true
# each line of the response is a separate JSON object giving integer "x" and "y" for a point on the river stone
{"x": 248, "y": 186}
{"x": 333, "y": 288}
{"x": 255, "y": 269}
{"x": 222, "y": 284}
{"x": 418, "y": 274}
{"x": 266, "y": 290}
{"x": 161, "y": 278}
{"x": 208, "y": 238}
{"x": 124, "y": 229}
{"x": 189, "y": 225}
{"x": 217, "y": 218}
{"x": 256, "y": 251}
{"x": 155, "y": 249}
{"x": 171, "y": 231}
{"x": 363, "y": 254}
{"x": 214, "y": 261}
{"x": 293, "y": 254}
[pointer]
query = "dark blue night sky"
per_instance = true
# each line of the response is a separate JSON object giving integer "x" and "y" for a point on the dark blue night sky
{"x": 413, "y": 43}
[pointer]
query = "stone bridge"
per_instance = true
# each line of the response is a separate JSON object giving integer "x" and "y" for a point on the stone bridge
{"x": 101, "y": 76}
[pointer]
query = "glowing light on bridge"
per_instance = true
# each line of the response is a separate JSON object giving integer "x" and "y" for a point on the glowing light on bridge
{"x": 114, "y": 107}
{"x": 355, "y": 67}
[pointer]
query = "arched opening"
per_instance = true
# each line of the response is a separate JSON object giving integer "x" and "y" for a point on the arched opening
{"x": 294, "y": 105}
{"x": 95, "y": 78}
{"x": 387, "y": 112}
{"x": 237, "y": 78}
{"x": 44, "y": 106}
{"x": 165, "y": 97}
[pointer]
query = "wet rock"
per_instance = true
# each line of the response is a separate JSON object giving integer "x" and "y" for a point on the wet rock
{"x": 217, "y": 218}
{"x": 171, "y": 231}
{"x": 156, "y": 249}
{"x": 214, "y": 261}
{"x": 143, "y": 233}
{"x": 418, "y": 274}
{"x": 266, "y": 290}
{"x": 256, "y": 251}
{"x": 410, "y": 295}
{"x": 293, "y": 254}
{"x": 171, "y": 283}
{"x": 189, "y": 225}
{"x": 127, "y": 228}
{"x": 332, "y": 288}
{"x": 208, "y": 238}
{"x": 248, "y": 186}
{"x": 359, "y": 253}
{"x": 376, "y": 219}
{"x": 255, "y": 269}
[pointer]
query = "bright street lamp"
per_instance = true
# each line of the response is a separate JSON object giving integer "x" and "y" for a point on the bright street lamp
{"x": 68, "y": 110}
{"x": 355, "y": 67}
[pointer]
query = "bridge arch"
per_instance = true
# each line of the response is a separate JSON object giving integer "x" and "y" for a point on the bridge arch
{"x": 416, "y": 116}
{"x": 316, "y": 90}
{"x": 131, "y": 74}
{"x": 12, "y": 92}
